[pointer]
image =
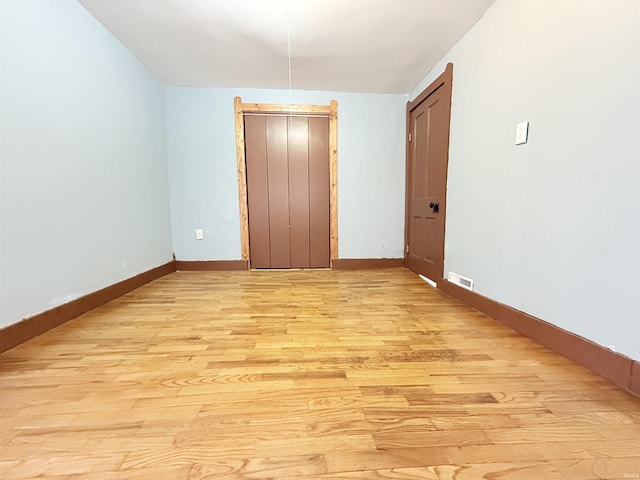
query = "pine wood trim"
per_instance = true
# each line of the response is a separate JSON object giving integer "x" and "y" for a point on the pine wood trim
{"x": 20, "y": 332}
{"x": 331, "y": 111}
{"x": 242, "y": 178}
{"x": 266, "y": 108}
{"x": 333, "y": 179}
{"x": 611, "y": 365}
{"x": 211, "y": 265}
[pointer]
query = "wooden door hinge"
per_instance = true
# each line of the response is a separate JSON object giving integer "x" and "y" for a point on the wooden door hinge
{"x": 410, "y": 137}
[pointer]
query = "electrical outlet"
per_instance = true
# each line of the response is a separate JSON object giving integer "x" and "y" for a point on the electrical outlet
{"x": 199, "y": 234}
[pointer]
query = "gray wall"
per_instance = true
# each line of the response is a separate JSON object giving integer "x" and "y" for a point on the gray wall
{"x": 204, "y": 181}
{"x": 83, "y": 174}
{"x": 551, "y": 227}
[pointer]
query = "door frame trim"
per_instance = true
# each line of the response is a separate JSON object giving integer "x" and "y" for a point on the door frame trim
{"x": 331, "y": 110}
{"x": 446, "y": 79}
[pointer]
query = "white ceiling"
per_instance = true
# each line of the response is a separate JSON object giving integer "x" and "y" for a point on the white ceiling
{"x": 381, "y": 46}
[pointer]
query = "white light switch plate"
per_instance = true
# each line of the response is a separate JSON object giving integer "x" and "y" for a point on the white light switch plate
{"x": 199, "y": 234}
{"x": 522, "y": 133}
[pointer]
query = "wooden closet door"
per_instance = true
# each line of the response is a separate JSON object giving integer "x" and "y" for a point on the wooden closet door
{"x": 257, "y": 191}
{"x": 287, "y": 162}
{"x": 299, "y": 232}
{"x": 319, "y": 254}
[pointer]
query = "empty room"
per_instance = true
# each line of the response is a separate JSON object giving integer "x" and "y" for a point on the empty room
{"x": 319, "y": 239}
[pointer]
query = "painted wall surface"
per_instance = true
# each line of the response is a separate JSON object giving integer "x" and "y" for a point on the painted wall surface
{"x": 204, "y": 182}
{"x": 83, "y": 179}
{"x": 550, "y": 227}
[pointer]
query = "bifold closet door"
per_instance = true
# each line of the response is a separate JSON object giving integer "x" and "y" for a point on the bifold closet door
{"x": 287, "y": 159}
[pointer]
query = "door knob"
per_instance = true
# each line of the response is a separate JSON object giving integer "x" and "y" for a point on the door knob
{"x": 434, "y": 206}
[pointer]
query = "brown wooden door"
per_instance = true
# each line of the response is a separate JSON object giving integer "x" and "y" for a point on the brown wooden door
{"x": 428, "y": 152}
{"x": 287, "y": 160}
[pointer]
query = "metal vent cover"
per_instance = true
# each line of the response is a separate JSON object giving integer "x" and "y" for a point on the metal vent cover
{"x": 461, "y": 281}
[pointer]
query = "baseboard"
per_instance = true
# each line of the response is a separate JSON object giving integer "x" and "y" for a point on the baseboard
{"x": 364, "y": 263}
{"x": 28, "y": 328}
{"x": 211, "y": 265}
{"x": 618, "y": 368}
{"x": 634, "y": 382}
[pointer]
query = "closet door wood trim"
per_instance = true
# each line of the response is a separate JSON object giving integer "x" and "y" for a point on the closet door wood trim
{"x": 331, "y": 110}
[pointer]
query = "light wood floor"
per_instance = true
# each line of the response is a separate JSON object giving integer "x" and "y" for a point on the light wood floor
{"x": 300, "y": 375}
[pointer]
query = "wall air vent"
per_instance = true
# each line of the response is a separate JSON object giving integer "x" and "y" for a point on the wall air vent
{"x": 461, "y": 281}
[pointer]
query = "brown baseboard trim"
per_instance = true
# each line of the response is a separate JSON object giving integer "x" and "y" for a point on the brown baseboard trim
{"x": 611, "y": 365}
{"x": 211, "y": 265}
{"x": 364, "y": 263}
{"x": 26, "y": 329}
{"x": 634, "y": 382}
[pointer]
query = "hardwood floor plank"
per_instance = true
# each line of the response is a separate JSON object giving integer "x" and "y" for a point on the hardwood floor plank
{"x": 507, "y": 471}
{"x": 429, "y": 438}
{"x": 315, "y": 445}
{"x": 265, "y": 468}
{"x": 350, "y": 461}
{"x": 177, "y": 472}
{"x": 553, "y": 419}
{"x": 544, "y": 433}
{"x": 610, "y": 468}
{"x": 71, "y": 464}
